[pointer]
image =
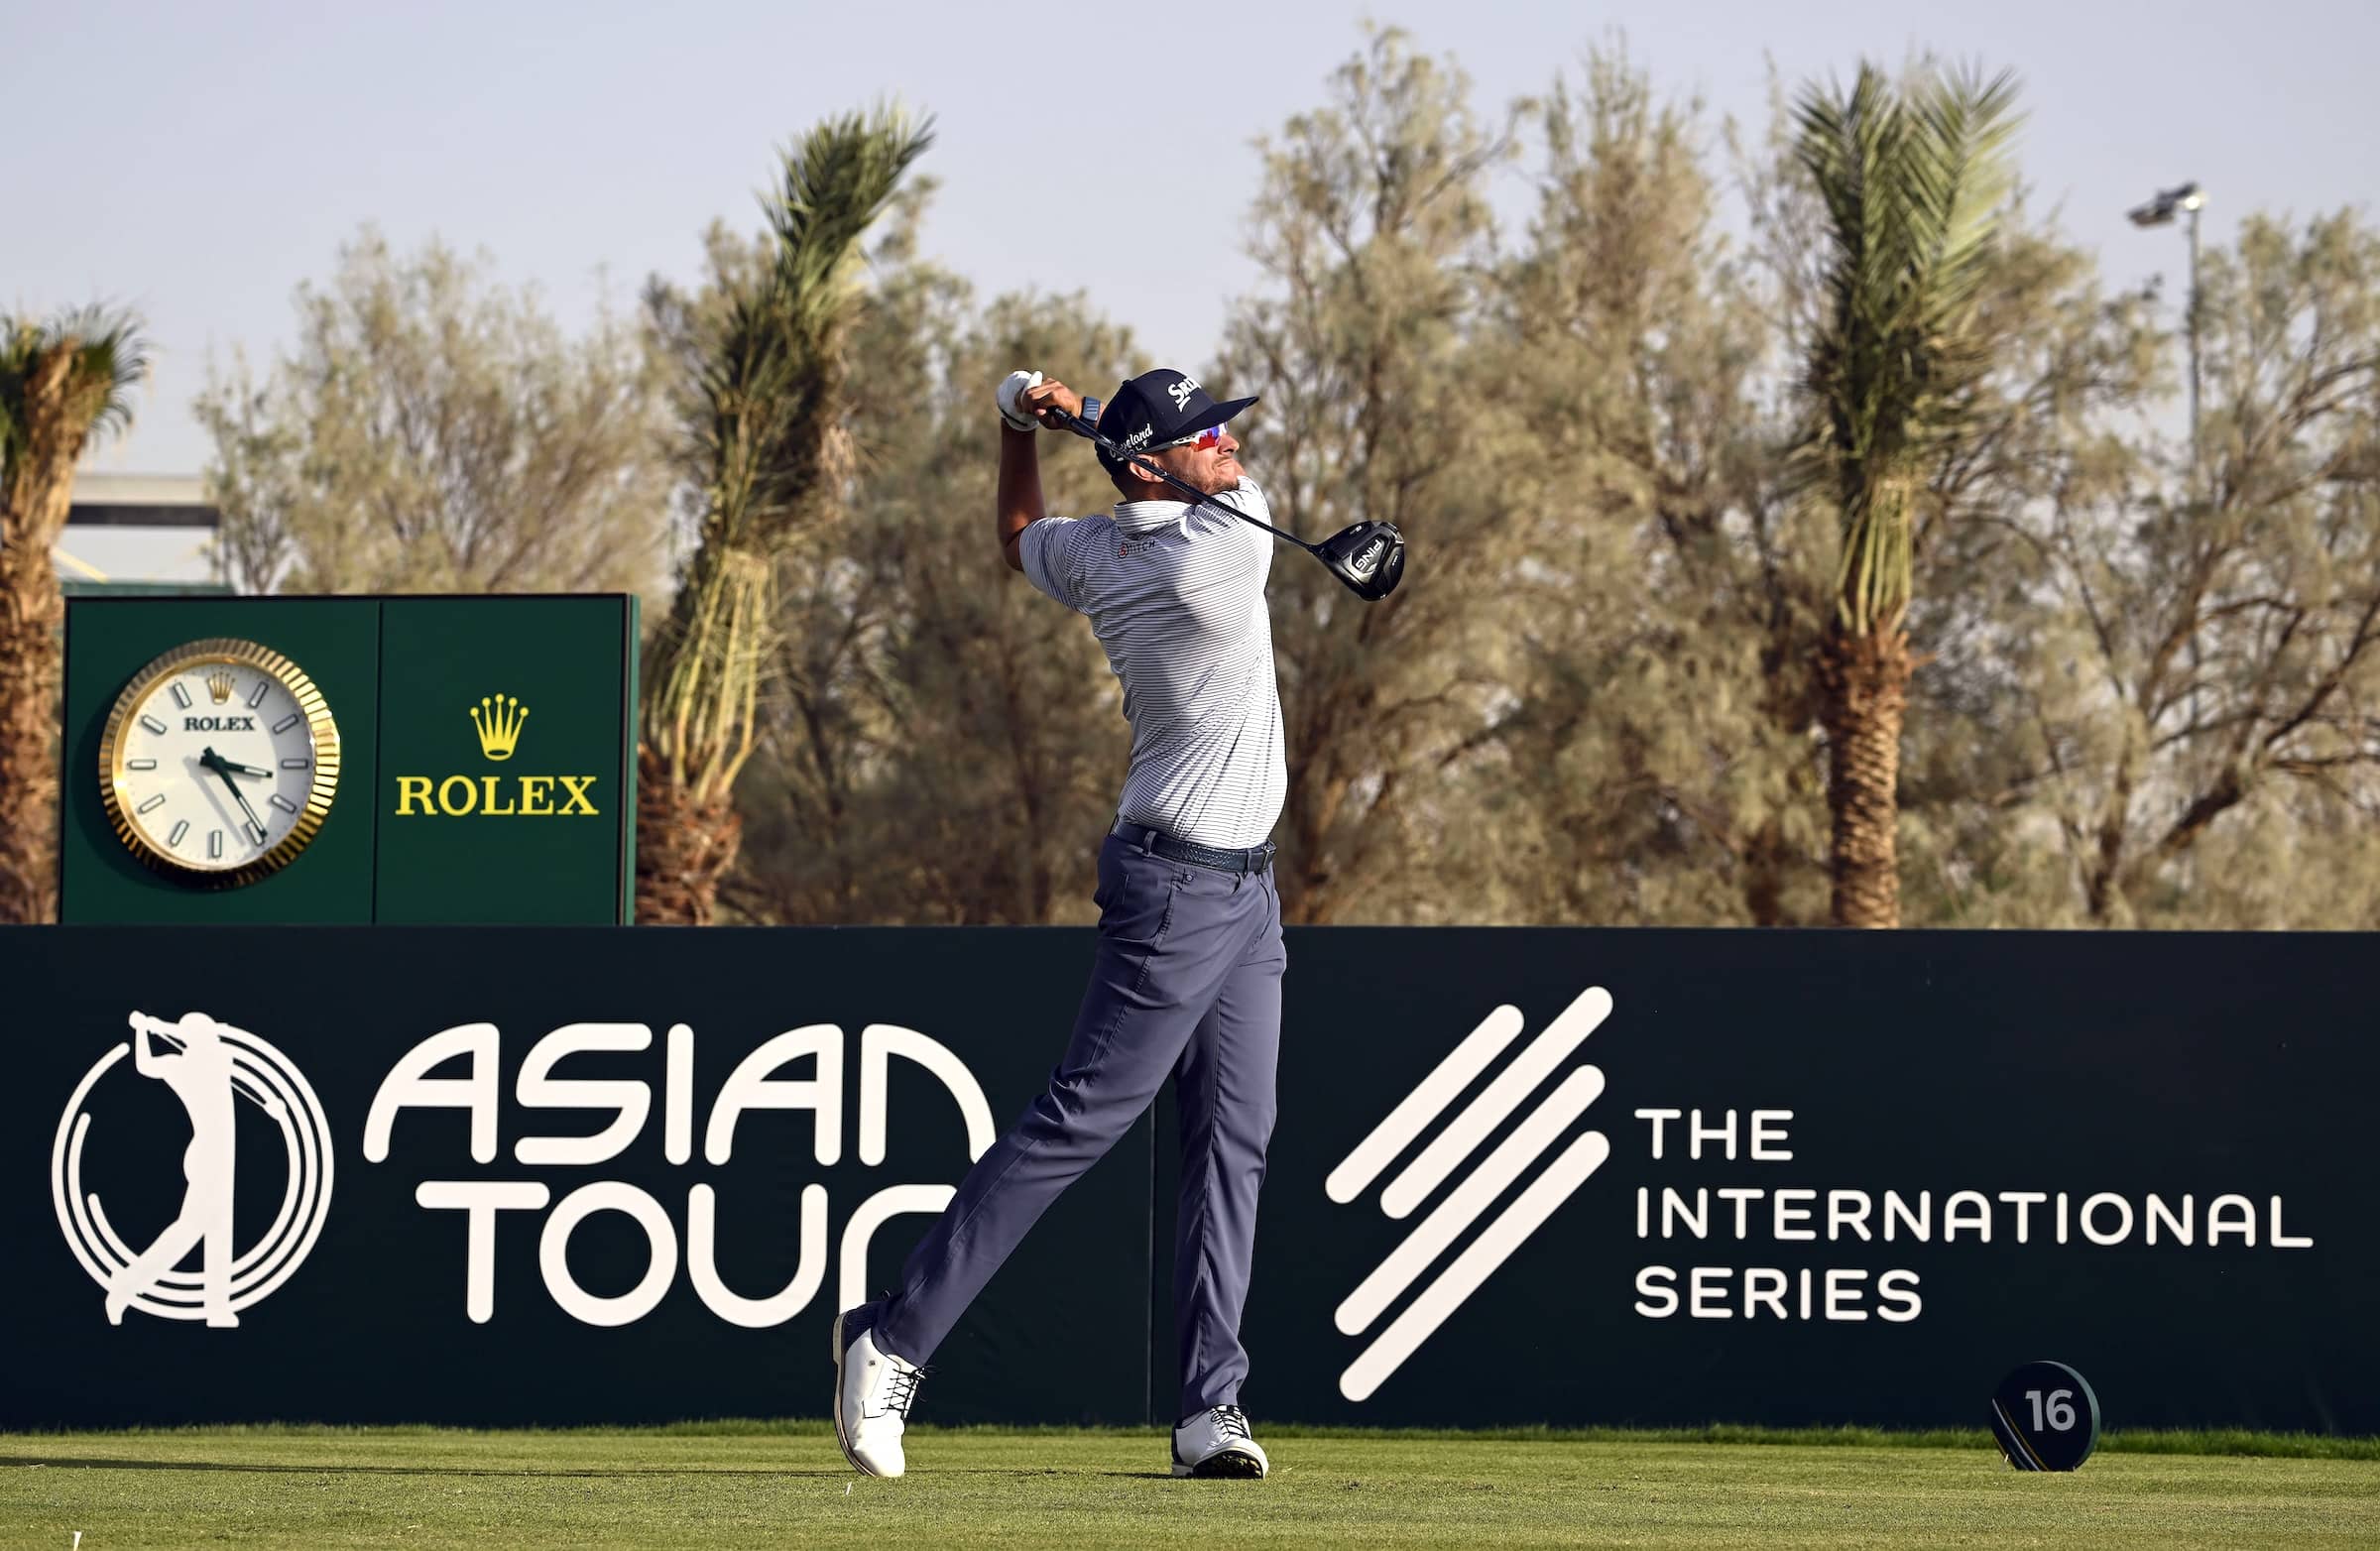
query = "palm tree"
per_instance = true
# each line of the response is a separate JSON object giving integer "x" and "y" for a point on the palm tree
{"x": 764, "y": 444}
{"x": 1913, "y": 182}
{"x": 61, "y": 382}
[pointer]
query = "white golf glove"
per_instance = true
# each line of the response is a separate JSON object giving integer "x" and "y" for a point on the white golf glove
{"x": 1010, "y": 397}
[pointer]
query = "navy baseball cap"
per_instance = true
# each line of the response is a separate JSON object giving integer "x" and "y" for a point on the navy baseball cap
{"x": 1157, "y": 408}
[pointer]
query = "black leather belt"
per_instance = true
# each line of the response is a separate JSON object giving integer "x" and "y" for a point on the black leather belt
{"x": 1256, "y": 859}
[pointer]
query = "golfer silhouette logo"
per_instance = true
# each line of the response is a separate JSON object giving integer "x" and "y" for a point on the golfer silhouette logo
{"x": 212, "y": 1068}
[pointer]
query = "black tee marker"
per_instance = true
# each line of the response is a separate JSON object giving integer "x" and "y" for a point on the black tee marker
{"x": 2045, "y": 1417}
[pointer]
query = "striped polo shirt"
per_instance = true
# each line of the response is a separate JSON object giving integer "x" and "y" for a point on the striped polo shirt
{"x": 1175, "y": 593}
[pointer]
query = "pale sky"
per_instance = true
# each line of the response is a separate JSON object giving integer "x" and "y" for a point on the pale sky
{"x": 198, "y": 161}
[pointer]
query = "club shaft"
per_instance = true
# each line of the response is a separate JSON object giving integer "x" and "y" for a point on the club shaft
{"x": 1197, "y": 497}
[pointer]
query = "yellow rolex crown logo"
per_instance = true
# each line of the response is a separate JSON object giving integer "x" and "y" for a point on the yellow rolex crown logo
{"x": 499, "y": 719}
{"x": 218, "y": 685}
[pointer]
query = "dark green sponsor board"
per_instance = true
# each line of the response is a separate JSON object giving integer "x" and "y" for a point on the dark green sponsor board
{"x": 561, "y": 1175}
{"x": 530, "y": 801}
{"x": 487, "y": 760}
{"x": 749, "y": 1207}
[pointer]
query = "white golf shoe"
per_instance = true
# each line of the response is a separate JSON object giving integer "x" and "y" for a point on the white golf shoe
{"x": 873, "y": 1390}
{"x": 1216, "y": 1443}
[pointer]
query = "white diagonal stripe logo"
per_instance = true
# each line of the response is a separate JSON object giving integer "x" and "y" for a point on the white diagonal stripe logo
{"x": 1420, "y": 1107}
{"x": 1462, "y": 1206}
{"x": 1459, "y": 1209}
{"x": 1501, "y": 1097}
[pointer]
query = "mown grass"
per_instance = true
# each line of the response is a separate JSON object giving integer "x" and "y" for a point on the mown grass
{"x": 783, "y": 1484}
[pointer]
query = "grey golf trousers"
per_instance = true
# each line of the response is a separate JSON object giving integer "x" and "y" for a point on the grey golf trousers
{"x": 1187, "y": 982}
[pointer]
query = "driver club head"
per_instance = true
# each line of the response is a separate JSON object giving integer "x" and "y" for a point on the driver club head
{"x": 1369, "y": 557}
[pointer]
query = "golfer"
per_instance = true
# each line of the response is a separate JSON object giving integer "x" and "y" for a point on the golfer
{"x": 1187, "y": 979}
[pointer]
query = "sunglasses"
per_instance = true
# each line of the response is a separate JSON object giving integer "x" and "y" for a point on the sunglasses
{"x": 1212, "y": 436}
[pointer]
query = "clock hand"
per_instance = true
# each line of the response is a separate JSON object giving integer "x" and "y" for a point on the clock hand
{"x": 215, "y": 762}
{"x": 258, "y": 823}
{"x": 223, "y": 768}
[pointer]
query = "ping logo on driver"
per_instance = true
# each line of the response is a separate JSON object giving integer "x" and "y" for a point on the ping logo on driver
{"x": 1462, "y": 1206}
{"x": 1370, "y": 560}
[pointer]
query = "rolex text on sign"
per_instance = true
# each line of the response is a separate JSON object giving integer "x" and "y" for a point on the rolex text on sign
{"x": 498, "y": 719}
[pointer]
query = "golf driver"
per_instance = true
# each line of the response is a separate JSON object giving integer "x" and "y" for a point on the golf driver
{"x": 1368, "y": 557}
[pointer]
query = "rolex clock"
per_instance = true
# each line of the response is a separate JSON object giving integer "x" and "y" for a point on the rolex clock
{"x": 218, "y": 762}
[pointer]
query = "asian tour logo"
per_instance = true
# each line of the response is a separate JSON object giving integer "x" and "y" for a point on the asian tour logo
{"x": 212, "y": 1068}
{"x": 759, "y": 1081}
{"x": 1462, "y": 1206}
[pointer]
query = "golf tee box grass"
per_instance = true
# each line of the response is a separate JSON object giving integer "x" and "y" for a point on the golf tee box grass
{"x": 760, "y": 1483}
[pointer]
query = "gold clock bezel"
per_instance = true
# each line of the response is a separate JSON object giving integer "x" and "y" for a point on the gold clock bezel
{"x": 322, "y": 729}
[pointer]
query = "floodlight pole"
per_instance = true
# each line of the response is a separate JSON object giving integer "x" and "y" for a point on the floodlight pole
{"x": 2196, "y": 465}
{"x": 2159, "y": 210}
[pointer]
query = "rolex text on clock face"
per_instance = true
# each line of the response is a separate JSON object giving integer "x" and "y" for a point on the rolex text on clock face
{"x": 215, "y": 764}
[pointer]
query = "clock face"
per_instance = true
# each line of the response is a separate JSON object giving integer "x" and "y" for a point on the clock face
{"x": 219, "y": 762}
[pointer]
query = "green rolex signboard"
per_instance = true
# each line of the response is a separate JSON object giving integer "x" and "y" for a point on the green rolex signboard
{"x": 427, "y": 760}
{"x": 505, "y": 759}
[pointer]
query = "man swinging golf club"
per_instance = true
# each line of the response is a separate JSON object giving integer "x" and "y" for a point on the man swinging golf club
{"x": 1187, "y": 978}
